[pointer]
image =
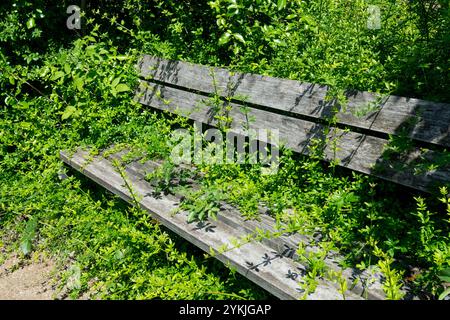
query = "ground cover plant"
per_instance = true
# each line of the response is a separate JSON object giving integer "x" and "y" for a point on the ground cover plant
{"x": 64, "y": 88}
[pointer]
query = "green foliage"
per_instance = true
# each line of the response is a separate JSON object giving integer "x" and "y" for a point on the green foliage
{"x": 444, "y": 276}
{"x": 82, "y": 96}
{"x": 28, "y": 236}
{"x": 202, "y": 205}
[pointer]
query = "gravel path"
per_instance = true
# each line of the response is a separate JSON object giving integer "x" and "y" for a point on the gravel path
{"x": 27, "y": 282}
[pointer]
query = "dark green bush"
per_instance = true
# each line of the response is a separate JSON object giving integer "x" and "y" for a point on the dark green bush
{"x": 60, "y": 89}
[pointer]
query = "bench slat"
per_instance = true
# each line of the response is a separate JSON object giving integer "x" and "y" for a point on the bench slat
{"x": 234, "y": 219}
{"x": 270, "y": 276}
{"x": 421, "y": 120}
{"x": 356, "y": 151}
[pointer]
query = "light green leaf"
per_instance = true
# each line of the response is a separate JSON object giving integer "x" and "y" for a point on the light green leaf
{"x": 79, "y": 83}
{"x": 119, "y": 254}
{"x": 74, "y": 280}
{"x": 28, "y": 235}
{"x": 25, "y": 125}
{"x": 57, "y": 75}
{"x": 31, "y": 23}
{"x": 444, "y": 275}
{"x": 444, "y": 294}
{"x": 122, "y": 57}
{"x": 122, "y": 87}
{"x": 67, "y": 68}
{"x": 23, "y": 105}
{"x": 115, "y": 82}
{"x": 239, "y": 37}
{"x": 308, "y": 20}
{"x": 25, "y": 246}
{"x": 68, "y": 112}
{"x": 44, "y": 71}
{"x": 281, "y": 4}
{"x": 191, "y": 217}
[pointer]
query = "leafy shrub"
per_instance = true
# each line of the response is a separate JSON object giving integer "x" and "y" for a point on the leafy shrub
{"x": 61, "y": 90}
{"x": 82, "y": 96}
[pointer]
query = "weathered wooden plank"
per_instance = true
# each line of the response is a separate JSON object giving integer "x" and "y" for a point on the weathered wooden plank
{"x": 356, "y": 151}
{"x": 366, "y": 285}
{"x": 272, "y": 268}
{"x": 420, "y": 120}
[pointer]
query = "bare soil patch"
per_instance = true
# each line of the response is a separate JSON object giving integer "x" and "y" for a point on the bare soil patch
{"x": 30, "y": 281}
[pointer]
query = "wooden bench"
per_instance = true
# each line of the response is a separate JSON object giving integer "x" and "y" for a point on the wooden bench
{"x": 301, "y": 113}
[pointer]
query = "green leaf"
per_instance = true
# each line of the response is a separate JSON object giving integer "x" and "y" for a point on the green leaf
{"x": 444, "y": 294}
{"x": 67, "y": 68}
{"x": 25, "y": 246}
{"x": 445, "y": 278}
{"x": 309, "y": 20}
{"x": 90, "y": 50}
{"x": 31, "y": 23}
{"x": 68, "y": 112}
{"x": 44, "y": 71}
{"x": 23, "y": 105}
{"x": 444, "y": 275}
{"x": 122, "y": 87}
{"x": 191, "y": 217}
{"x": 79, "y": 83}
{"x": 281, "y": 4}
{"x": 28, "y": 235}
{"x": 57, "y": 75}
{"x": 239, "y": 37}
{"x": 122, "y": 57}
{"x": 115, "y": 82}
{"x": 225, "y": 38}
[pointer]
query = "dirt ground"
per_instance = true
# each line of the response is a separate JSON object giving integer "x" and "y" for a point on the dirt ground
{"x": 31, "y": 281}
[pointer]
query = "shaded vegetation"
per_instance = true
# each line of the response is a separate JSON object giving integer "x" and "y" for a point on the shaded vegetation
{"x": 63, "y": 88}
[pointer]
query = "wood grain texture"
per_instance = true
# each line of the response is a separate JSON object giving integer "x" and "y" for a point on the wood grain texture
{"x": 356, "y": 151}
{"x": 271, "y": 268}
{"x": 420, "y": 120}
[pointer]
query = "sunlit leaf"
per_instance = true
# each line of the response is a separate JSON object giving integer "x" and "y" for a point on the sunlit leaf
{"x": 225, "y": 38}
{"x": 281, "y": 4}
{"x": 57, "y": 75}
{"x": 68, "y": 112}
{"x": 122, "y": 87}
{"x": 239, "y": 37}
{"x": 79, "y": 83}
{"x": 67, "y": 68}
{"x": 115, "y": 82}
{"x": 31, "y": 23}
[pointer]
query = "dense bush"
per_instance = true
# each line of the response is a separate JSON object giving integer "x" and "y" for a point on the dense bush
{"x": 85, "y": 98}
{"x": 322, "y": 41}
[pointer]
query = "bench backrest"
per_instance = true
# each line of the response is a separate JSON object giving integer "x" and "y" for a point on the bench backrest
{"x": 399, "y": 139}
